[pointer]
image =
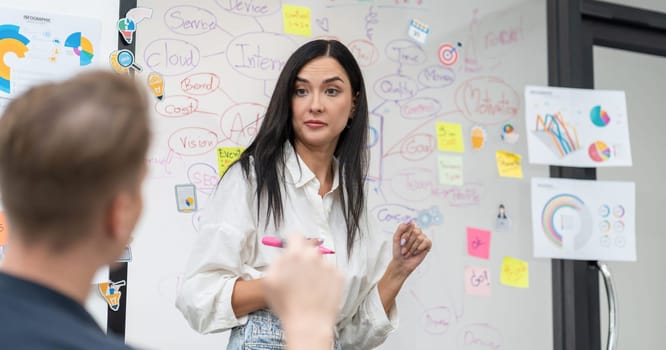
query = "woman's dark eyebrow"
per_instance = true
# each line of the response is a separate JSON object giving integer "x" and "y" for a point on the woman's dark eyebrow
{"x": 329, "y": 80}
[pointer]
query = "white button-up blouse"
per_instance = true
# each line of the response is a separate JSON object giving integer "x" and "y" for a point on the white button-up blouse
{"x": 229, "y": 247}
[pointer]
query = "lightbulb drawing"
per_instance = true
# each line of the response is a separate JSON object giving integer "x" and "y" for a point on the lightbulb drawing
{"x": 126, "y": 27}
{"x": 156, "y": 84}
{"x": 111, "y": 292}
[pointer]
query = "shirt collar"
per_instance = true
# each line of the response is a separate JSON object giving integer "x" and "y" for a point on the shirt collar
{"x": 299, "y": 171}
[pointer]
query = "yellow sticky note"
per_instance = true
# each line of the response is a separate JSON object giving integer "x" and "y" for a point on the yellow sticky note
{"x": 226, "y": 156}
{"x": 296, "y": 20}
{"x": 515, "y": 273}
{"x": 449, "y": 137}
{"x": 3, "y": 229}
{"x": 508, "y": 164}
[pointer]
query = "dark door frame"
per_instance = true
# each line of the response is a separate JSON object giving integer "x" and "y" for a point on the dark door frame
{"x": 116, "y": 320}
{"x": 574, "y": 28}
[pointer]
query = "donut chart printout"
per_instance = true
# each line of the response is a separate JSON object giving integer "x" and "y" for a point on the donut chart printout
{"x": 577, "y": 127}
{"x": 584, "y": 219}
{"x": 36, "y": 47}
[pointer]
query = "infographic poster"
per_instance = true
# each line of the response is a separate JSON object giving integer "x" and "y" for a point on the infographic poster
{"x": 577, "y": 127}
{"x": 36, "y": 47}
{"x": 584, "y": 219}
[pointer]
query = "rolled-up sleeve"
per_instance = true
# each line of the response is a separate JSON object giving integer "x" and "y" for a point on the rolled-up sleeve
{"x": 370, "y": 325}
{"x": 224, "y": 243}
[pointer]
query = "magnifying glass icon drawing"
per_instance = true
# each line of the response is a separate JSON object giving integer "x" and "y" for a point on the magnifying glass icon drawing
{"x": 123, "y": 60}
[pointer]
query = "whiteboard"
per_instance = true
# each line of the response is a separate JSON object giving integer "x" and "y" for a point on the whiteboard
{"x": 220, "y": 60}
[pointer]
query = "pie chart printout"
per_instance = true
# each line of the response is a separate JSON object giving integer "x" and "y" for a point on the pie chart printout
{"x": 599, "y": 117}
{"x": 599, "y": 152}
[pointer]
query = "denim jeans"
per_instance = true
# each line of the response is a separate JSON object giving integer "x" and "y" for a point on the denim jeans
{"x": 261, "y": 332}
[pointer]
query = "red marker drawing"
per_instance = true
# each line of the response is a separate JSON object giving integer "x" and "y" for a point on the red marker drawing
{"x": 279, "y": 243}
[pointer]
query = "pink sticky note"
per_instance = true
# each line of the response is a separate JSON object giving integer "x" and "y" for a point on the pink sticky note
{"x": 477, "y": 281}
{"x": 478, "y": 242}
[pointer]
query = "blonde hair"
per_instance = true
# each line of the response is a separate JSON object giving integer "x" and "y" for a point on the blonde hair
{"x": 65, "y": 149}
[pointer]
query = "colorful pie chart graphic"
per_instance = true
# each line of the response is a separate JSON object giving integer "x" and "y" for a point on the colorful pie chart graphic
{"x": 618, "y": 211}
{"x": 599, "y": 117}
{"x": 599, "y": 151}
{"x": 565, "y": 217}
{"x": 604, "y": 210}
{"x": 604, "y": 226}
{"x": 82, "y": 47}
{"x": 10, "y": 41}
{"x": 618, "y": 226}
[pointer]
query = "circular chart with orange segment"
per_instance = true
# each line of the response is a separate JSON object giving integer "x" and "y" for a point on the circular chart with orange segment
{"x": 82, "y": 47}
{"x": 599, "y": 151}
{"x": 599, "y": 116}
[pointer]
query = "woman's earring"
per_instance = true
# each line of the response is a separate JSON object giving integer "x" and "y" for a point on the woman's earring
{"x": 351, "y": 116}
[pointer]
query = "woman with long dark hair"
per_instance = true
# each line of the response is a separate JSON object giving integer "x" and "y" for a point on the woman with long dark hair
{"x": 304, "y": 172}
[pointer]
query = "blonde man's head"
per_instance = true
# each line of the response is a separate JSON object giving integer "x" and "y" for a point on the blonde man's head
{"x": 65, "y": 149}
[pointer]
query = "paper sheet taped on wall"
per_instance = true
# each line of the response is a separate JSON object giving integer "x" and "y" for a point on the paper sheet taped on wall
{"x": 583, "y": 219}
{"x": 577, "y": 127}
{"x": 36, "y": 47}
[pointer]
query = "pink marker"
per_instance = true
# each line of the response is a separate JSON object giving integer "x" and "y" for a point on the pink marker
{"x": 279, "y": 243}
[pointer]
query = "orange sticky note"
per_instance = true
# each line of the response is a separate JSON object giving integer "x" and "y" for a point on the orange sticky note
{"x": 296, "y": 20}
{"x": 4, "y": 231}
{"x": 226, "y": 156}
{"x": 515, "y": 273}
